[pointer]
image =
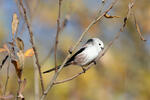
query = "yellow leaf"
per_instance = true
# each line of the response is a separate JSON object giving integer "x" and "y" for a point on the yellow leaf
{"x": 109, "y": 16}
{"x": 29, "y": 53}
{"x": 15, "y": 23}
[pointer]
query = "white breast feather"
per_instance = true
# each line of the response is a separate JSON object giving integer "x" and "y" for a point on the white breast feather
{"x": 90, "y": 54}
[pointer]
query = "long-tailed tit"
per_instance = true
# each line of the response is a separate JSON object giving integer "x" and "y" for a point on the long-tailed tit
{"x": 86, "y": 55}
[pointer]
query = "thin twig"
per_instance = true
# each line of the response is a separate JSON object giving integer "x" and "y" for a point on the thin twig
{"x": 3, "y": 62}
{"x": 138, "y": 29}
{"x": 101, "y": 8}
{"x": 58, "y": 31}
{"x": 32, "y": 42}
{"x": 69, "y": 55}
{"x": 130, "y": 6}
{"x": 6, "y": 83}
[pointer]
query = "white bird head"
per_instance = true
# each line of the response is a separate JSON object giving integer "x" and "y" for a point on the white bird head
{"x": 96, "y": 42}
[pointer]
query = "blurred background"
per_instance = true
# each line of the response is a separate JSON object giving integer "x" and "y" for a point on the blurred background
{"x": 122, "y": 74}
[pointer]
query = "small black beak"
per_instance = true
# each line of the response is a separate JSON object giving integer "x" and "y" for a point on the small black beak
{"x": 102, "y": 48}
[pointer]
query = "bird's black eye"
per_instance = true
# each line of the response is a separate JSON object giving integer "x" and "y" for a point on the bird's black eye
{"x": 99, "y": 44}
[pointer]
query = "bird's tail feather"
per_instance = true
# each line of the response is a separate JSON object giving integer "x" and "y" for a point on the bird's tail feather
{"x": 52, "y": 69}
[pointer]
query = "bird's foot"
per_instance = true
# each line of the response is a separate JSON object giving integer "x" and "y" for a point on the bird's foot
{"x": 84, "y": 70}
{"x": 94, "y": 62}
{"x": 70, "y": 51}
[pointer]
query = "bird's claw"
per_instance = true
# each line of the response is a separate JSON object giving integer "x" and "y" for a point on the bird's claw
{"x": 84, "y": 70}
{"x": 94, "y": 62}
{"x": 70, "y": 51}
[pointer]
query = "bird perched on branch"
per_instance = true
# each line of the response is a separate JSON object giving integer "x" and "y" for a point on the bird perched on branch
{"x": 86, "y": 55}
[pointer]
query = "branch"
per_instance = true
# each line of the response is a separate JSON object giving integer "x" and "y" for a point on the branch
{"x": 130, "y": 6}
{"x": 32, "y": 43}
{"x": 6, "y": 83}
{"x": 58, "y": 31}
{"x": 138, "y": 29}
{"x": 3, "y": 62}
{"x": 69, "y": 55}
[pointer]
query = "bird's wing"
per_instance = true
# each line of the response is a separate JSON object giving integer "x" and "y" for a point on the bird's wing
{"x": 75, "y": 55}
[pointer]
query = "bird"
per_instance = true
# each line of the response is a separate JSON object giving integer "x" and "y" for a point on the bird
{"x": 85, "y": 55}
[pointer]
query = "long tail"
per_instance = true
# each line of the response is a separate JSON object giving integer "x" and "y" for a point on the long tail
{"x": 50, "y": 70}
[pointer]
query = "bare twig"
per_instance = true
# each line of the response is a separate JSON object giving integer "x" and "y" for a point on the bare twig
{"x": 138, "y": 29}
{"x": 3, "y": 62}
{"x": 77, "y": 43}
{"x": 32, "y": 42}
{"x": 130, "y": 6}
{"x": 6, "y": 83}
{"x": 101, "y": 8}
{"x": 58, "y": 31}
